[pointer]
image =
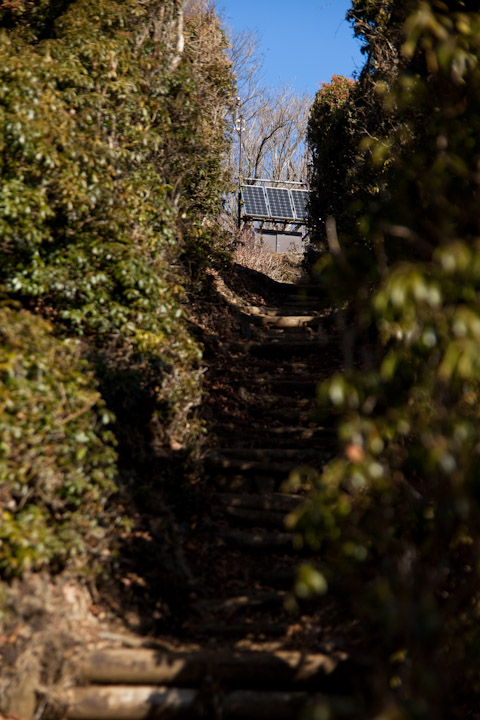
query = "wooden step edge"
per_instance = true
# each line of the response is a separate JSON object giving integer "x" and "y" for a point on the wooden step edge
{"x": 243, "y": 669}
{"x": 279, "y": 348}
{"x": 270, "y": 311}
{"x": 264, "y": 366}
{"x": 277, "y": 502}
{"x": 295, "y": 336}
{"x": 281, "y": 321}
{"x": 256, "y": 541}
{"x": 247, "y": 441}
{"x": 227, "y": 466}
{"x": 121, "y": 702}
{"x": 230, "y": 629}
{"x": 158, "y": 703}
{"x": 271, "y": 400}
{"x": 256, "y": 705}
{"x": 150, "y": 702}
{"x": 255, "y": 518}
{"x": 288, "y": 414}
{"x": 303, "y": 287}
{"x": 232, "y": 604}
{"x": 300, "y": 297}
{"x": 264, "y": 454}
{"x": 281, "y": 432}
{"x": 288, "y": 382}
{"x": 264, "y": 438}
{"x": 313, "y": 343}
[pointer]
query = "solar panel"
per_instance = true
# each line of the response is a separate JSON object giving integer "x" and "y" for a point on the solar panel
{"x": 254, "y": 201}
{"x": 300, "y": 200}
{"x": 280, "y": 204}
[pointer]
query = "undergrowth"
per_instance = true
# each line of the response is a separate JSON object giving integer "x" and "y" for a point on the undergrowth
{"x": 251, "y": 253}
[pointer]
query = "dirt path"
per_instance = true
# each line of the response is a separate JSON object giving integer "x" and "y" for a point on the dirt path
{"x": 245, "y": 647}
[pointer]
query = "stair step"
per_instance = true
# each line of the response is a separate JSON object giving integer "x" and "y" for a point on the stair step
{"x": 239, "y": 457}
{"x": 293, "y": 334}
{"x": 127, "y": 703}
{"x": 260, "y": 399}
{"x": 279, "y": 349}
{"x": 257, "y": 477}
{"x": 289, "y": 342}
{"x": 288, "y": 385}
{"x": 285, "y": 311}
{"x": 288, "y": 414}
{"x": 242, "y": 602}
{"x": 158, "y": 703}
{"x": 240, "y": 669}
{"x": 280, "y": 288}
{"x": 256, "y": 541}
{"x": 234, "y": 465}
{"x": 256, "y": 518}
{"x": 235, "y": 629}
{"x": 282, "y": 321}
{"x": 303, "y": 300}
{"x": 291, "y": 435}
{"x": 277, "y": 502}
{"x": 296, "y": 288}
{"x": 267, "y": 366}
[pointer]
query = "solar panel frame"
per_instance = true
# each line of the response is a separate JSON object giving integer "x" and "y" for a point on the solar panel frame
{"x": 254, "y": 201}
{"x": 280, "y": 203}
{"x": 275, "y": 204}
{"x": 299, "y": 202}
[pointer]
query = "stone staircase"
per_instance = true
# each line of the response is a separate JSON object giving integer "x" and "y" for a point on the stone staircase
{"x": 242, "y": 652}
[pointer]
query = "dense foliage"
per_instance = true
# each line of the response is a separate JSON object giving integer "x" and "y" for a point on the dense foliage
{"x": 111, "y": 136}
{"x": 350, "y": 135}
{"x": 333, "y": 145}
{"x": 398, "y": 514}
{"x": 56, "y": 451}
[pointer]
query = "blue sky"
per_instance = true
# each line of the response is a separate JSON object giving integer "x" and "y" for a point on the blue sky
{"x": 304, "y": 42}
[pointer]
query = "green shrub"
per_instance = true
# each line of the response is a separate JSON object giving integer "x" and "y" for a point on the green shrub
{"x": 57, "y": 456}
{"x": 110, "y": 143}
{"x": 397, "y": 513}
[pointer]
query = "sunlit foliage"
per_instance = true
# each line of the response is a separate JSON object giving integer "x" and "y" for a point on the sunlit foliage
{"x": 111, "y": 134}
{"x": 57, "y": 457}
{"x": 332, "y": 139}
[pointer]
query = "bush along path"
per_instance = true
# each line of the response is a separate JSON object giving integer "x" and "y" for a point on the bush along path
{"x": 247, "y": 646}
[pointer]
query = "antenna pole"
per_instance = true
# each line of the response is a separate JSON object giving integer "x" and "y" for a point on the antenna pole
{"x": 239, "y": 127}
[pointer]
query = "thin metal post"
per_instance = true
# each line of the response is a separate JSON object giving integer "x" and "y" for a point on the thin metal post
{"x": 239, "y": 127}
{"x": 239, "y": 219}
{"x": 277, "y": 182}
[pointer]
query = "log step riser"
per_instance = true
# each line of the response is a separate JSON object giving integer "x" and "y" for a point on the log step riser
{"x": 157, "y": 703}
